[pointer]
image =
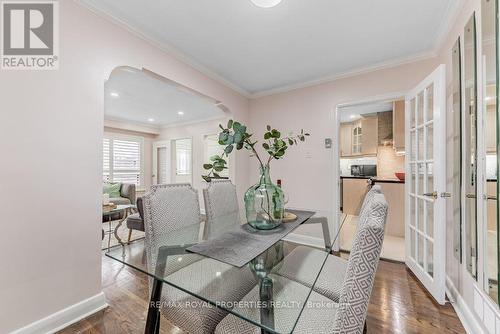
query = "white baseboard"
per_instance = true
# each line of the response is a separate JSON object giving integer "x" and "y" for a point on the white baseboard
{"x": 464, "y": 312}
{"x": 61, "y": 319}
{"x": 306, "y": 240}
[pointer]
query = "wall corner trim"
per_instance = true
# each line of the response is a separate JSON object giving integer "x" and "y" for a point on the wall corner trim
{"x": 65, "y": 317}
{"x": 464, "y": 311}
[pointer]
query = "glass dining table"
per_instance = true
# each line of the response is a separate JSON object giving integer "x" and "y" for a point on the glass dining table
{"x": 170, "y": 255}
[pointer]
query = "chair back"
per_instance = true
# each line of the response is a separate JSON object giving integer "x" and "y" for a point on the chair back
{"x": 169, "y": 211}
{"x": 375, "y": 189}
{"x": 361, "y": 268}
{"x": 221, "y": 207}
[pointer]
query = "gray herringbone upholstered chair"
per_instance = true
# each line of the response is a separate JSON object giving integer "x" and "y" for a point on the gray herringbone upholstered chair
{"x": 172, "y": 217}
{"x": 349, "y": 315}
{"x": 296, "y": 265}
{"x": 221, "y": 207}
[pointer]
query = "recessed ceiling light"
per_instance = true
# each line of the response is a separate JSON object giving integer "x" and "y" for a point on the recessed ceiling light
{"x": 114, "y": 94}
{"x": 151, "y": 119}
{"x": 489, "y": 98}
{"x": 180, "y": 113}
{"x": 266, "y": 3}
{"x": 353, "y": 116}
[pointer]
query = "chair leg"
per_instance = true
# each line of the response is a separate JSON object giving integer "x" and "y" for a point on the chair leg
{"x": 365, "y": 329}
{"x": 129, "y": 235}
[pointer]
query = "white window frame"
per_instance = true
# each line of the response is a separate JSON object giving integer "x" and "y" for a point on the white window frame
{"x": 116, "y": 136}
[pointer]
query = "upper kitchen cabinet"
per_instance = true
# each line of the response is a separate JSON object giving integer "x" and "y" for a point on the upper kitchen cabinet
{"x": 345, "y": 139}
{"x": 370, "y": 135}
{"x": 398, "y": 123}
{"x": 359, "y": 138}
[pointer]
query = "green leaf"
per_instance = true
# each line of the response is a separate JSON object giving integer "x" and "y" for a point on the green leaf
{"x": 267, "y": 135}
{"x": 230, "y": 124}
{"x": 290, "y": 142}
{"x": 207, "y": 166}
{"x": 230, "y": 140}
{"x": 275, "y": 133}
{"x": 219, "y": 169}
{"x": 214, "y": 158}
{"x": 242, "y": 129}
{"x": 302, "y": 138}
{"x": 236, "y": 126}
{"x": 238, "y": 137}
{"x": 239, "y": 146}
{"x": 228, "y": 150}
{"x": 268, "y": 128}
{"x": 206, "y": 178}
{"x": 265, "y": 146}
{"x": 223, "y": 137}
{"x": 307, "y": 134}
{"x": 220, "y": 126}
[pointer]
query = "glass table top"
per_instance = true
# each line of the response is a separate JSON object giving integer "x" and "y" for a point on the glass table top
{"x": 255, "y": 292}
{"x": 118, "y": 208}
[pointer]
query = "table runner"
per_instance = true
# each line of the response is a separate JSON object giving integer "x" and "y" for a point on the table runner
{"x": 244, "y": 243}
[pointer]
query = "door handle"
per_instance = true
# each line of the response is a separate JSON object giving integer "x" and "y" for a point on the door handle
{"x": 490, "y": 197}
{"x": 446, "y": 194}
{"x": 433, "y": 194}
{"x": 470, "y": 195}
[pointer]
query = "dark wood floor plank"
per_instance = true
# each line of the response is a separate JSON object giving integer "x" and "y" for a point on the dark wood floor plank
{"x": 399, "y": 304}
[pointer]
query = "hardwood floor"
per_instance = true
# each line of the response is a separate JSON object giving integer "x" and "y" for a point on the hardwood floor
{"x": 399, "y": 304}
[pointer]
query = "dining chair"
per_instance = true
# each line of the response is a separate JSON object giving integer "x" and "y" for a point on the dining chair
{"x": 221, "y": 207}
{"x": 172, "y": 217}
{"x": 296, "y": 266}
{"x": 346, "y": 316}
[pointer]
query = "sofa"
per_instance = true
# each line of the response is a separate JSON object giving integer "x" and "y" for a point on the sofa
{"x": 127, "y": 196}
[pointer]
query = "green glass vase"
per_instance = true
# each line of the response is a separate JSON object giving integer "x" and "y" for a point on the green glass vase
{"x": 264, "y": 203}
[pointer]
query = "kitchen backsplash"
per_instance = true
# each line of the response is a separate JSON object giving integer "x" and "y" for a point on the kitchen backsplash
{"x": 386, "y": 160}
{"x": 345, "y": 164}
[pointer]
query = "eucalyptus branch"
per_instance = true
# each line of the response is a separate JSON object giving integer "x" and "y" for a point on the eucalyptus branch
{"x": 235, "y": 135}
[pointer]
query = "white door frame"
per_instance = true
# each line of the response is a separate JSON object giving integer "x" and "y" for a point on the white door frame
{"x": 336, "y": 152}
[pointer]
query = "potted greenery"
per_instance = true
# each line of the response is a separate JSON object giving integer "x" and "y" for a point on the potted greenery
{"x": 264, "y": 201}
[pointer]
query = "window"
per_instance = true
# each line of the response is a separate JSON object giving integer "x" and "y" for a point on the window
{"x": 183, "y": 156}
{"x": 121, "y": 160}
{"x": 212, "y": 148}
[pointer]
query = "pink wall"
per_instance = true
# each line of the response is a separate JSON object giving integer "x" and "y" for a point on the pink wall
{"x": 310, "y": 180}
{"x": 52, "y": 125}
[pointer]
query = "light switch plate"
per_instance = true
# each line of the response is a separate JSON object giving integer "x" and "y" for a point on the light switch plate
{"x": 328, "y": 142}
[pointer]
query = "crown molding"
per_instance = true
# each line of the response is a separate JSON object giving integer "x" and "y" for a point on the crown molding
{"x": 167, "y": 48}
{"x": 453, "y": 12}
{"x": 351, "y": 73}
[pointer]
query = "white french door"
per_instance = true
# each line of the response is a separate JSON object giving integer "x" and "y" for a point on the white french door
{"x": 161, "y": 162}
{"x": 425, "y": 211}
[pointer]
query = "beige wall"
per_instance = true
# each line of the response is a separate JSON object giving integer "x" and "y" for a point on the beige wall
{"x": 307, "y": 170}
{"x": 51, "y": 123}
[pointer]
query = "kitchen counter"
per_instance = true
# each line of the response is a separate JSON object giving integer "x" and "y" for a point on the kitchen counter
{"x": 374, "y": 179}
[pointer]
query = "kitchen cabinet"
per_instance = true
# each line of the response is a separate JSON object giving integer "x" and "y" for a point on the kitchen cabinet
{"x": 345, "y": 139}
{"x": 398, "y": 125}
{"x": 353, "y": 194}
{"x": 359, "y": 138}
{"x": 369, "y": 138}
{"x": 395, "y": 196}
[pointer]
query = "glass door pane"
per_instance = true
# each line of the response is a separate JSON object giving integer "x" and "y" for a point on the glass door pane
{"x": 470, "y": 138}
{"x": 490, "y": 112}
{"x": 457, "y": 150}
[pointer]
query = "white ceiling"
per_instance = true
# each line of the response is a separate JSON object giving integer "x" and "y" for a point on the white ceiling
{"x": 259, "y": 50}
{"x": 132, "y": 95}
{"x": 352, "y": 113}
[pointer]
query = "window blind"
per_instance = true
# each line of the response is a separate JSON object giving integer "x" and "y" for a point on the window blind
{"x": 122, "y": 160}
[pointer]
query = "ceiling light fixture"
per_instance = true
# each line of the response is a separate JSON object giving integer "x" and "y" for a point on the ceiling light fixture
{"x": 180, "y": 113}
{"x": 114, "y": 94}
{"x": 353, "y": 116}
{"x": 151, "y": 119}
{"x": 265, "y": 3}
